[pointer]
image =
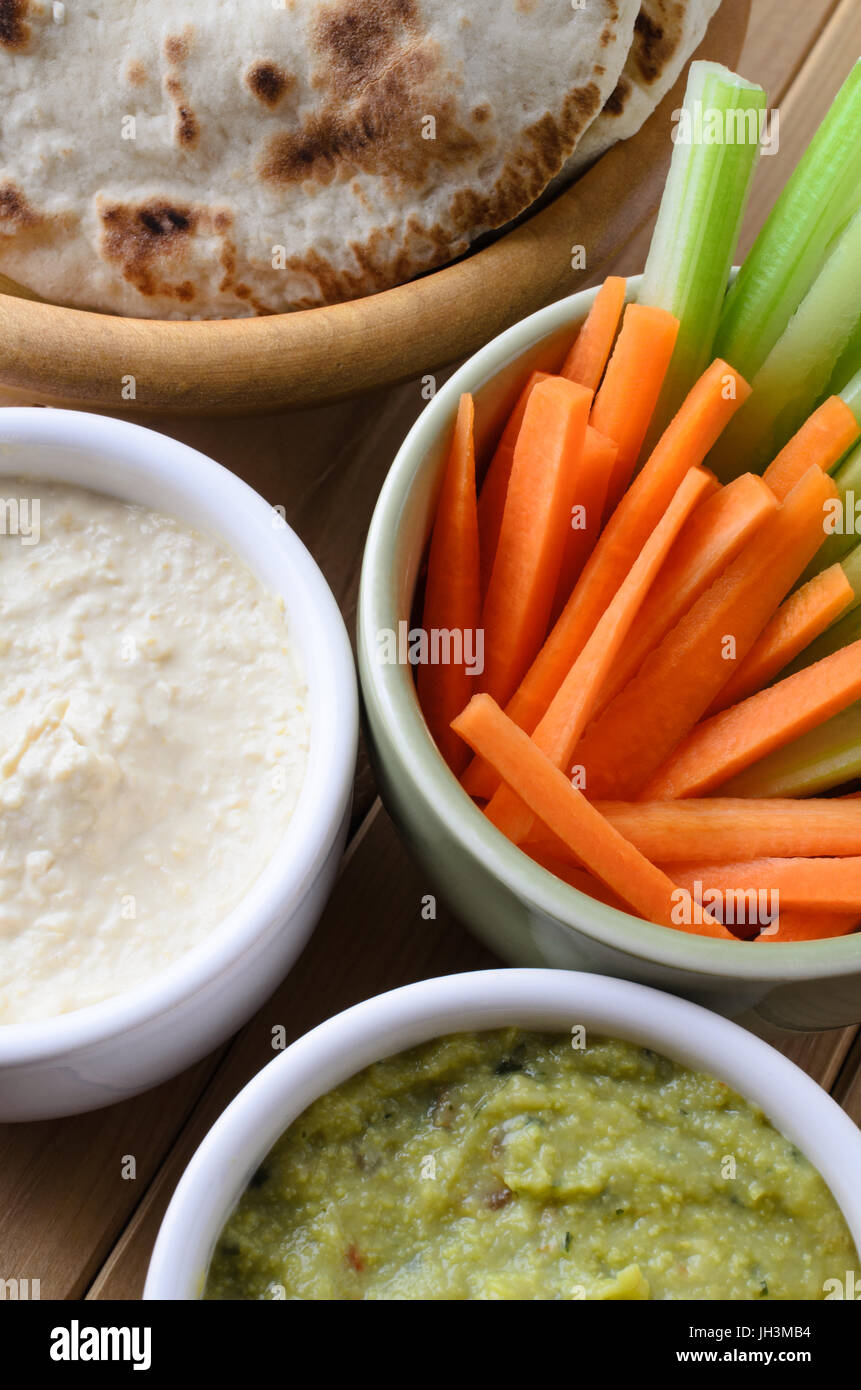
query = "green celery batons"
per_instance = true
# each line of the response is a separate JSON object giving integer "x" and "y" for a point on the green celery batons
{"x": 815, "y": 205}
{"x": 821, "y": 759}
{"x": 717, "y": 143}
{"x": 797, "y": 371}
{"x": 839, "y": 543}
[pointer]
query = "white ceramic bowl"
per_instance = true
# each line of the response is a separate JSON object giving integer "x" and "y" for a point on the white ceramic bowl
{"x": 547, "y": 1000}
{"x": 106, "y": 1052}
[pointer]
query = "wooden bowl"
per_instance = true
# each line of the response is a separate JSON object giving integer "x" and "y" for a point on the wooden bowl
{"x": 60, "y": 356}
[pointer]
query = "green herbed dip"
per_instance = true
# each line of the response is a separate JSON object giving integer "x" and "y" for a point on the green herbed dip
{"x": 514, "y": 1165}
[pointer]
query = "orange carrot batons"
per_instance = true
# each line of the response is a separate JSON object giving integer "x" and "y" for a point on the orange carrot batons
{"x": 733, "y": 828}
{"x": 684, "y": 444}
{"x": 797, "y": 622}
{"x": 730, "y": 741}
{"x": 535, "y": 523}
{"x": 798, "y": 925}
{"x": 822, "y": 440}
{"x": 452, "y": 598}
{"x": 491, "y": 499}
{"x": 599, "y": 455}
{"x": 717, "y": 532}
{"x": 824, "y": 885}
{"x": 551, "y": 797}
{"x": 588, "y": 357}
{"x": 632, "y": 384}
{"x": 638, "y": 731}
{"x": 558, "y": 733}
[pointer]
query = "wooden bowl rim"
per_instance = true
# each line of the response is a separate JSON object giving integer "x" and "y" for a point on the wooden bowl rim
{"x": 63, "y": 355}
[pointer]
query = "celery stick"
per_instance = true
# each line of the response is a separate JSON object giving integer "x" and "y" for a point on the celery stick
{"x": 851, "y": 390}
{"x": 852, "y": 570}
{"x": 843, "y": 631}
{"x": 839, "y": 543}
{"x": 841, "y": 634}
{"x": 848, "y": 475}
{"x": 692, "y": 250}
{"x": 799, "y": 368}
{"x": 820, "y": 197}
{"x": 824, "y": 758}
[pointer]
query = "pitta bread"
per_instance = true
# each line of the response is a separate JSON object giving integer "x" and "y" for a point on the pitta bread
{"x": 188, "y": 159}
{"x": 666, "y": 34}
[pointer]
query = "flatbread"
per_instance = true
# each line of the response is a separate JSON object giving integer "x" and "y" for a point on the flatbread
{"x": 666, "y": 33}
{"x": 195, "y": 158}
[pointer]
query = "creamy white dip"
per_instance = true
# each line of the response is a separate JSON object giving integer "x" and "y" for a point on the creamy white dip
{"x": 153, "y": 742}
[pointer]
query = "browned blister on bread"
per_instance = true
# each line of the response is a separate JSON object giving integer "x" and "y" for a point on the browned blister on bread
{"x": 190, "y": 160}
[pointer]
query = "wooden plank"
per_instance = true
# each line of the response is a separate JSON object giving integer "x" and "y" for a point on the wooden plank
{"x": 847, "y": 1090}
{"x": 63, "y": 1197}
{"x": 780, "y": 36}
{"x": 371, "y": 939}
{"x": 803, "y": 106}
{"x": 821, "y": 1055}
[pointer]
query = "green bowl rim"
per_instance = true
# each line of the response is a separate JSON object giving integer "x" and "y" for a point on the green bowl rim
{"x": 391, "y": 691}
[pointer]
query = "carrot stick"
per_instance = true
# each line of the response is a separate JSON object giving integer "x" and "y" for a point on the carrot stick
{"x": 711, "y": 540}
{"x": 823, "y": 439}
{"x": 811, "y": 926}
{"x": 730, "y": 741}
{"x": 800, "y": 619}
{"x": 451, "y": 592}
{"x": 587, "y": 359}
{"x": 683, "y": 445}
{"x": 491, "y": 499}
{"x": 560, "y": 730}
{"x": 599, "y": 455}
{"x": 632, "y": 384}
{"x": 734, "y": 828}
{"x": 623, "y": 749}
{"x": 532, "y": 536}
{"x": 824, "y": 885}
{"x": 549, "y": 795}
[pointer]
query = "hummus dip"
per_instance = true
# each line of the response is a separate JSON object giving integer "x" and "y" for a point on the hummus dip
{"x": 153, "y": 742}
{"x": 513, "y": 1165}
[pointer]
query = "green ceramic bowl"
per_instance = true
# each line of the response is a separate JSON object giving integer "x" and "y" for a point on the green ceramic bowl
{"x": 519, "y": 910}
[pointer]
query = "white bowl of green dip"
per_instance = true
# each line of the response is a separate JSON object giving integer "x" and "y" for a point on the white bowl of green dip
{"x": 520, "y": 1134}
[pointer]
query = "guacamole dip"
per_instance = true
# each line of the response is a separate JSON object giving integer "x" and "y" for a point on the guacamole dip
{"x": 513, "y": 1165}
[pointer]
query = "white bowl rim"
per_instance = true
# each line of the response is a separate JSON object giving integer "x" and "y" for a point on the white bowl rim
{"x": 430, "y": 778}
{"x": 332, "y": 706}
{"x": 546, "y": 1000}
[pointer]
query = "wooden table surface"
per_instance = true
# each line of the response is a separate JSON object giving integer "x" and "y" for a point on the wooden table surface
{"x": 68, "y": 1215}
